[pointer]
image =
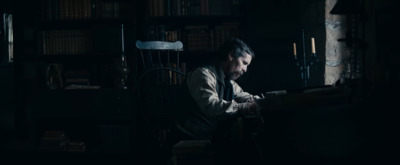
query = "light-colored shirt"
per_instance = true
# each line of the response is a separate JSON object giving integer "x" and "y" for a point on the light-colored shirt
{"x": 202, "y": 84}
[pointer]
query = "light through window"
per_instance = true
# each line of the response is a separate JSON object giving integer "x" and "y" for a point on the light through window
{"x": 8, "y": 36}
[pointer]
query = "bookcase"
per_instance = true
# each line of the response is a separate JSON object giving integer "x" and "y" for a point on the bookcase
{"x": 71, "y": 58}
{"x": 82, "y": 42}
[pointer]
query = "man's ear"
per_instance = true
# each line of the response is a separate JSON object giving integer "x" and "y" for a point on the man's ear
{"x": 230, "y": 57}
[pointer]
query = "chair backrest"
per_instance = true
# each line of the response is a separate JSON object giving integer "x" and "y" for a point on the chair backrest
{"x": 163, "y": 51}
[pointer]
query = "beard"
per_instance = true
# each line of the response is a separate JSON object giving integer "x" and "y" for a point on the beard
{"x": 235, "y": 75}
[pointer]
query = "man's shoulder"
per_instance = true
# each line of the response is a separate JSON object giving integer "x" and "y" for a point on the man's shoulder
{"x": 202, "y": 71}
{"x": 210, "y": 68}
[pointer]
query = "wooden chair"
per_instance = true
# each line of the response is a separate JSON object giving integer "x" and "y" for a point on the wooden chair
{"x": 161, "y": 73}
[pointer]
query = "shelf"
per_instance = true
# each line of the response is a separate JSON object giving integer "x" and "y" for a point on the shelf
{"x": 86, "y": 24}
{"x": 79, "y": 58}
{"x": 83, "y": 104}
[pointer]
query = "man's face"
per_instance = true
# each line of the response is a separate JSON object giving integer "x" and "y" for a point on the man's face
{"x": 238, "y": 66}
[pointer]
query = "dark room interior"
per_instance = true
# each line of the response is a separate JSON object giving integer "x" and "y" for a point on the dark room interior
{"x": 74, "y": 84}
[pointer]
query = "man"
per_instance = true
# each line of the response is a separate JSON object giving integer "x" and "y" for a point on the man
{"x": 211, "y": 100}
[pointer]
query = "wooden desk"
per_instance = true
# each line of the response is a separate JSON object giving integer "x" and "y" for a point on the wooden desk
{"x": 306, "y": 98}
{"x": 306, "y": 127}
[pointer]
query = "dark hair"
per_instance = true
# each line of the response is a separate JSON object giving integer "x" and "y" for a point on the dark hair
{"x": 235, "y": 46}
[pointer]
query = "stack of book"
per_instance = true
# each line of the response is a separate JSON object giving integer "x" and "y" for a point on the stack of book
{"x": 77, "y": 77}
{"x": 53, "y": 141}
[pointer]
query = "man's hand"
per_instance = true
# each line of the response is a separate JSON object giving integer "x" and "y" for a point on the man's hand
{"x": 270, "y": 103}
{"x": 254, "y": 107}
{"x": 251, "y": 107}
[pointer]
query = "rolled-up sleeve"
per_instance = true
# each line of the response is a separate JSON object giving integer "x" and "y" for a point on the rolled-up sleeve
{"x": 202, "y": 86}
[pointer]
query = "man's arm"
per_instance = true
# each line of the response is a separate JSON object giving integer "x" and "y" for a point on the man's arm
{"x": 202, "y": 86}
{"x": 242, "y": 96}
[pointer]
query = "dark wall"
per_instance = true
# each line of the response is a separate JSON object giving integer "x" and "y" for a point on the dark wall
{"x": 7, "y": 97}
{"x": 381, "y": 47}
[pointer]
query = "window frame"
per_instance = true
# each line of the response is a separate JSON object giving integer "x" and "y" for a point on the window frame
{"x": 7, "y": 38}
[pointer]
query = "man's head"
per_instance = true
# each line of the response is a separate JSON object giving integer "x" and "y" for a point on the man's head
{"x": 235, "y": 57}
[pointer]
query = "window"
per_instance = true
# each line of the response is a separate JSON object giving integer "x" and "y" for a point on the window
{"x": 337, "y": 53}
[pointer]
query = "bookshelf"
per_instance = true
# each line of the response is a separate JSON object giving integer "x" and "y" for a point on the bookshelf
{"x": 81, "y": 42}
{"x": 68, "y": 58}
